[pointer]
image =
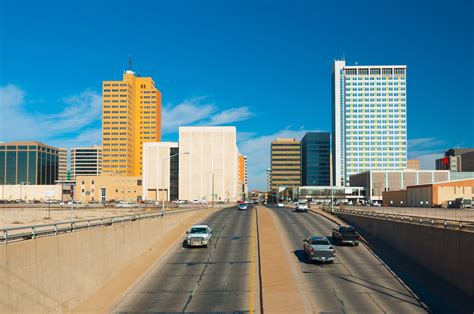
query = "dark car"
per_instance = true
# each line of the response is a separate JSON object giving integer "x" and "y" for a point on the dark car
{"x": 345, "y": 234}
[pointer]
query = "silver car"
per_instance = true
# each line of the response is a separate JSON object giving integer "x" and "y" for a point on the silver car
{"x": 319, "y": 249}
{"x": 199, "y": 235}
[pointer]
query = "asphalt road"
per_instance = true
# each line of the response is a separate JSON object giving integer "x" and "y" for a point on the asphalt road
{"x": 214, "y": 279}
{"x": 357, "y": 282}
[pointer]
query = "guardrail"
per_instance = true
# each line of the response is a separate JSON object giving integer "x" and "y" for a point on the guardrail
{"x": 461, "y": 225}
{"x": 10, "y": 234}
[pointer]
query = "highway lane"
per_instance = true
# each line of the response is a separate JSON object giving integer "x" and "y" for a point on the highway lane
{"x": 214, "y": 279}
{"x": 356, "y": 283}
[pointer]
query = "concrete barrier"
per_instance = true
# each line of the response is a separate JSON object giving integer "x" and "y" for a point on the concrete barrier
{"x": 54, "y": 274}
{"x": 446, "y": 253}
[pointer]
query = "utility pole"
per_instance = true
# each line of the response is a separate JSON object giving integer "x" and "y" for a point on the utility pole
{"x": 49, "y": 209}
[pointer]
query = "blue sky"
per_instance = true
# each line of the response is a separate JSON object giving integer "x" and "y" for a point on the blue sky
{"x": 264, "y": 66}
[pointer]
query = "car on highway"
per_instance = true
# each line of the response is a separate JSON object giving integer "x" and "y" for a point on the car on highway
{"x": 199, "y": 235}
{"x": 243, "y": 206}
{"x": 319, "y": 249}
{"x": 345, "y": 234}
{"x": 281, "y": 205}
{"x": 301, "y": 207}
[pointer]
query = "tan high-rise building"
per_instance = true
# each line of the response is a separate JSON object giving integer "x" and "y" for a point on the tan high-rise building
{"x": 286, "y": 163}
{"x": 131, "y": 116}
{"x": 243, "y": 183}
{"x": 62, "y": 164}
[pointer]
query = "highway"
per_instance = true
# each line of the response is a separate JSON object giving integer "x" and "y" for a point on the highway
{"x": 357, "y": 282}
{"x": 214, "y": 279}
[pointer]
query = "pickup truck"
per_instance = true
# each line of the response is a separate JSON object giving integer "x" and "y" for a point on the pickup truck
{"x": 199, "y": 235}
{"x": 319, "y": 249}
{"x": 345, "y": 234}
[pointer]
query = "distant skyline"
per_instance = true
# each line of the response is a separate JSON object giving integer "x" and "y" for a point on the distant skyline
{"x": 263, "y": 66}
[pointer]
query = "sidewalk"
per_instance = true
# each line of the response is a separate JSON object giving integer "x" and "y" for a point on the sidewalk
{"x": 439, "y": 213}
{"x": 281, "y": 289}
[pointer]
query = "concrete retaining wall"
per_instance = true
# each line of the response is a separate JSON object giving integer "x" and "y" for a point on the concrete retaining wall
{"x": 54, "y": 274}
{"x": 447, "y": 253}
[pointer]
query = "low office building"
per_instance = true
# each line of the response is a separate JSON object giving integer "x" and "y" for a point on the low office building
{"x": 106, "y": 188}
{"x": 158, "y": 159}
{"x": 208, "y": 165}
{"x": 457, "y": 159}
{"x": 441, "y": 194}
{"x": 377, "y": 182}
{"x": 325, "y": 194}
{"x": 413, "y": 164}
{"x": 28, "y": 163}
{"x": 32, "y": 193}
{"x": 467, "y": 161}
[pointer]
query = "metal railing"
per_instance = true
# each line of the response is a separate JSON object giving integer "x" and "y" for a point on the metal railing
{"x": 10, "y": 234}
{"x": 455, "y": 224}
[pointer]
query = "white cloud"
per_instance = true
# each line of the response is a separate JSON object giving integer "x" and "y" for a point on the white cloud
{"x": 242, "y": 136}
{"x": 257, "y": 149}
{"x": 188, "y": 112}
{"x": 230, "y": 116}
{"x": 79, "y": 112}
{"x": 428, "y": 161}
{"x": 196, "y": 111}
{"x": 87, "y": 137}
{"x": 77, "y": 124}
{"x": 426, "y": 150}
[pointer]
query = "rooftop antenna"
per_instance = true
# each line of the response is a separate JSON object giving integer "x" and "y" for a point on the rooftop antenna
{"x": 343, "y": 56}
{"x": 130, "y": 62}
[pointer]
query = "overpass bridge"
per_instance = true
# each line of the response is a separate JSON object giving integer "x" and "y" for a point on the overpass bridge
{"x": 255, "y": 264}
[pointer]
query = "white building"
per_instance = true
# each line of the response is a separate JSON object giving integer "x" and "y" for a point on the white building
{"x": 210, "y": 171}
{"x": 86, "y": 161}
{"x": 34, "y": 192}
{"x": 369, "y": 119}
{"x": 269, "y": 179}
{"x": 158, "y": 159}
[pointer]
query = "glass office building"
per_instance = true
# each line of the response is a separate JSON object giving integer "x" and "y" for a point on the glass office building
{"x": 315, "y": 159}
{"x": 28, "y": 163}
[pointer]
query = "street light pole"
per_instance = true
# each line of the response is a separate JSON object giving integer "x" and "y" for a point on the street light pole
{"x": 332, "y": 198}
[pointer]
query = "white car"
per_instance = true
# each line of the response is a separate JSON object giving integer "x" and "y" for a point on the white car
{"x": 301, "y": 207}
{"x": 281, "y": 205}
{"x": 199, "y": 235}
{"x": 126, "y": 205}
